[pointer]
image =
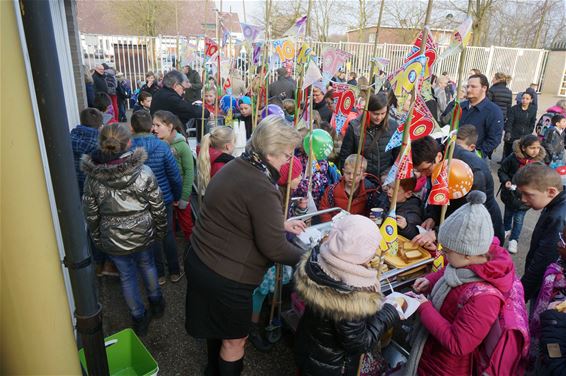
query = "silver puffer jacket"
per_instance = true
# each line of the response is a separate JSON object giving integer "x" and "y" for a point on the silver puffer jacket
{"x": 123, "y": 204}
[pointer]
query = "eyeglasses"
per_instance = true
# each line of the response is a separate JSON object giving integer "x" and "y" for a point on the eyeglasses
{"x": 562, "y": 242}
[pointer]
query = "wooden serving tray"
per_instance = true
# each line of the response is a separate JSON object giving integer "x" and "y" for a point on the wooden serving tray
{"x": 398, "y": 262}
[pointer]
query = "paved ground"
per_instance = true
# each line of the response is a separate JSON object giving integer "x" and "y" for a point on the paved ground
{"x": 179, "y": 354}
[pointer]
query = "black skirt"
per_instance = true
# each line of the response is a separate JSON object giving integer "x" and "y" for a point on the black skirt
{"x": 216, "y": 307}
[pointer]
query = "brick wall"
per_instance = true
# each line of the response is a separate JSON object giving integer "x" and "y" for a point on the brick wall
{"x": 74, "y": 42}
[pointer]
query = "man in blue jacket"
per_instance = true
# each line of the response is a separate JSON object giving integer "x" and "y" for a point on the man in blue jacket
{"x": 164, "y": 167}
{"x": 485, "y": 115}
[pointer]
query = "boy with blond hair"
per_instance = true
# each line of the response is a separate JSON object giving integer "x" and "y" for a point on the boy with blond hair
{"x": 337, "y": 195}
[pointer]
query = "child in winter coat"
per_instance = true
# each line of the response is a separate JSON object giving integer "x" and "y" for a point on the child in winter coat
{"x": 345, "y": 315}
{"x": 466, "y": 298}
{"x": 215, "y": 151}
{"x": 548, "y": 322}
{"x": 125, "y": 214}
{"x": 554, "y": 141}
{"x": 337, "y": 195}
{"x": 541, "y": 189}
{"x": 525, "y": 150}
{"x": 409, "y": 209}
{"x": 144, "y": 101}
{"x": 168, "y": 127}
{"x": 163, "y": 164}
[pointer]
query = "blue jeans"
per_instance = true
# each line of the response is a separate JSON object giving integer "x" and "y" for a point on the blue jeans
{"x": 513, "y": 220}
{"x": 128, "y": 266}
{"x": 167, "y": 246}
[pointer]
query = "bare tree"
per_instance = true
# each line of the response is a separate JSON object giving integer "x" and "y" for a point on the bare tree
{"x": 325, "y": 12}
{"x": 144, "y": 17}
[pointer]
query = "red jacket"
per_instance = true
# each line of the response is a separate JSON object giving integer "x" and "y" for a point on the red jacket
{"x": 337, "y": 194}
{"x": 217, "y": 160}
{"x": 456, "y": 332}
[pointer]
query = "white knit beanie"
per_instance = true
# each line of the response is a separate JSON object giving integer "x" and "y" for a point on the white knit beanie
{"x": 469, "y": 230}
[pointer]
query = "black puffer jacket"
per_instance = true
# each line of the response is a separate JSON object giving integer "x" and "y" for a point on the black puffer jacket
{"x": 520, "y": 122}
{"x": 502, "y": 96}
{"x": 412, "y": 211}
{"x": 167, "y": 99}
{"x": 553, "y": 333}
{"x": 323, "y": 110}
{"x": 375, "y": 142}
{"x": 339, "y": 324}
{"x": 509, "y": 168}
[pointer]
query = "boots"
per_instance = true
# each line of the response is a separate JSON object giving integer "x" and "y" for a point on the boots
{"x": 213, "y": 355}
{"x": 141, "y": 324}
{"x": 157, "y": 308}
{"x": 230, "y": 368}
{"x": 257, "y": 339}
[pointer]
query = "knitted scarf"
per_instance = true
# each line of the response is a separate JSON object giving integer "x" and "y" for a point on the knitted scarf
{"x": 258, "y": 162}
{"x": 453, "y": 277}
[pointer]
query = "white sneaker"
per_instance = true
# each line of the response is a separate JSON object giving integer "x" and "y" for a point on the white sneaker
{"x": 507, "y": 233}
{"x": 512, "y": 247}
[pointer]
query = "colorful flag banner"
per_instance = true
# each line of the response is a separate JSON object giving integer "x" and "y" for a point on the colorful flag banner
{"x": 284, "y": 50}
{"x": 312, "y": 74}
{"x": 332, "y": 59}
{"x": 408, "y": 75}
{"x": 298, "y": 28}
{"x": 439, "y": 193}
{"x": 304, "y": 54}
{"x": 460, "y": 39}
{"x": 344, "y": 102}
{"x": 422, "y": 124}
{"x": 211, "y": 48}
{"x": 402, "y": 168}
{"x": 388, "y": 229}
{"x": 256, "y": 52}
{"x": 431, "y": 51}
{"x": 251, "y": 32}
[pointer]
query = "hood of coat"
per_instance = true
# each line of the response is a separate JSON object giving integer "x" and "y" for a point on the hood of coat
{"x": 119, "y": 173}
{"x": 521, "y": 156}
{"x": 499, "y": 271}
{"x": 331, "y": 298}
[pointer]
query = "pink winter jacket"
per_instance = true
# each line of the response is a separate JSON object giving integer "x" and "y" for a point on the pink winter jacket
{"x": 456, "y": 332}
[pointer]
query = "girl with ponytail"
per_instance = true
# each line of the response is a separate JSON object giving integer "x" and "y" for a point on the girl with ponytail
{"x": 168, "y": 127}
{"x": 215, "y": 151}
{"x": 125, "y": 214}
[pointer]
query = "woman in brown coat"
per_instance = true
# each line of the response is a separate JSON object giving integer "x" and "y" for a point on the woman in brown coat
{"x": 240, "y": 233}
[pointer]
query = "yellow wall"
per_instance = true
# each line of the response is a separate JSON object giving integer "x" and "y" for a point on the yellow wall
{"x": 36, "y": 334}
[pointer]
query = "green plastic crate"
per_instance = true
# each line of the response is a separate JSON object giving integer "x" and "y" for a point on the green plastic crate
{"x": 127, "y": 356}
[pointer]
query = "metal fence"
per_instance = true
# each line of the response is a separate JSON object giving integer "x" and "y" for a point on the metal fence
{"x": 136, "y": 55}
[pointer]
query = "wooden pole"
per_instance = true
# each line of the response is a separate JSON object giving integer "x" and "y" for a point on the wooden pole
{"x": 365, "y": 114}
{"x": 218, "y": 83}
{"x": 406, "y": 129}
{"x": 455, "y": 123}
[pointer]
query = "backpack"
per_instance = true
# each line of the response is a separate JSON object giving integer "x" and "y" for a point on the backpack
{"x": 110, "y": 79}
{"x": 543, "y": 124}
{"x": 505, "y": 349}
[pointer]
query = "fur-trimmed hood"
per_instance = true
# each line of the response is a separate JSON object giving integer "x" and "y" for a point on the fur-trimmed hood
{"x": 119, "y": 174}
{"x": 331, "y": 298}
{"x": 520, "y": 155}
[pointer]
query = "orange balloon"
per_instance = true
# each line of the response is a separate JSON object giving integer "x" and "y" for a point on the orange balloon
{"x": 460, "y": 180}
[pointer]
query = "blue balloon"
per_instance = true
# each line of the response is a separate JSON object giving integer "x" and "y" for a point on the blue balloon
{"x": 272, "y": 109}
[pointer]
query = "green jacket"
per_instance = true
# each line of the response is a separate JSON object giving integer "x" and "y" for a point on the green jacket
{"x": 184, "y": 157}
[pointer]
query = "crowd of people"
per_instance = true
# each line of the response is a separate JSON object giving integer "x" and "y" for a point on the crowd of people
{"x": 137, "y": 177}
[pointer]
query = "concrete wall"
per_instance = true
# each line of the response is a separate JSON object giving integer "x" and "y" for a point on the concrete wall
{"x": 554, "y": 73}
{"x": 36, "y": 330}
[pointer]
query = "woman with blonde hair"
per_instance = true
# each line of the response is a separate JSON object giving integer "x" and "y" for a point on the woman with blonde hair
{"x": 240, "y": 233}
{"x": 215, "y": 151}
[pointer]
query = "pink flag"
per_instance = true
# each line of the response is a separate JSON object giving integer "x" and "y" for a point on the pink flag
{"x": 332, "y": 59}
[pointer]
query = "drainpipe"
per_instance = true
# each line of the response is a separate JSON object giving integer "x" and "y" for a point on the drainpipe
{"x": 44, "y": 61}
